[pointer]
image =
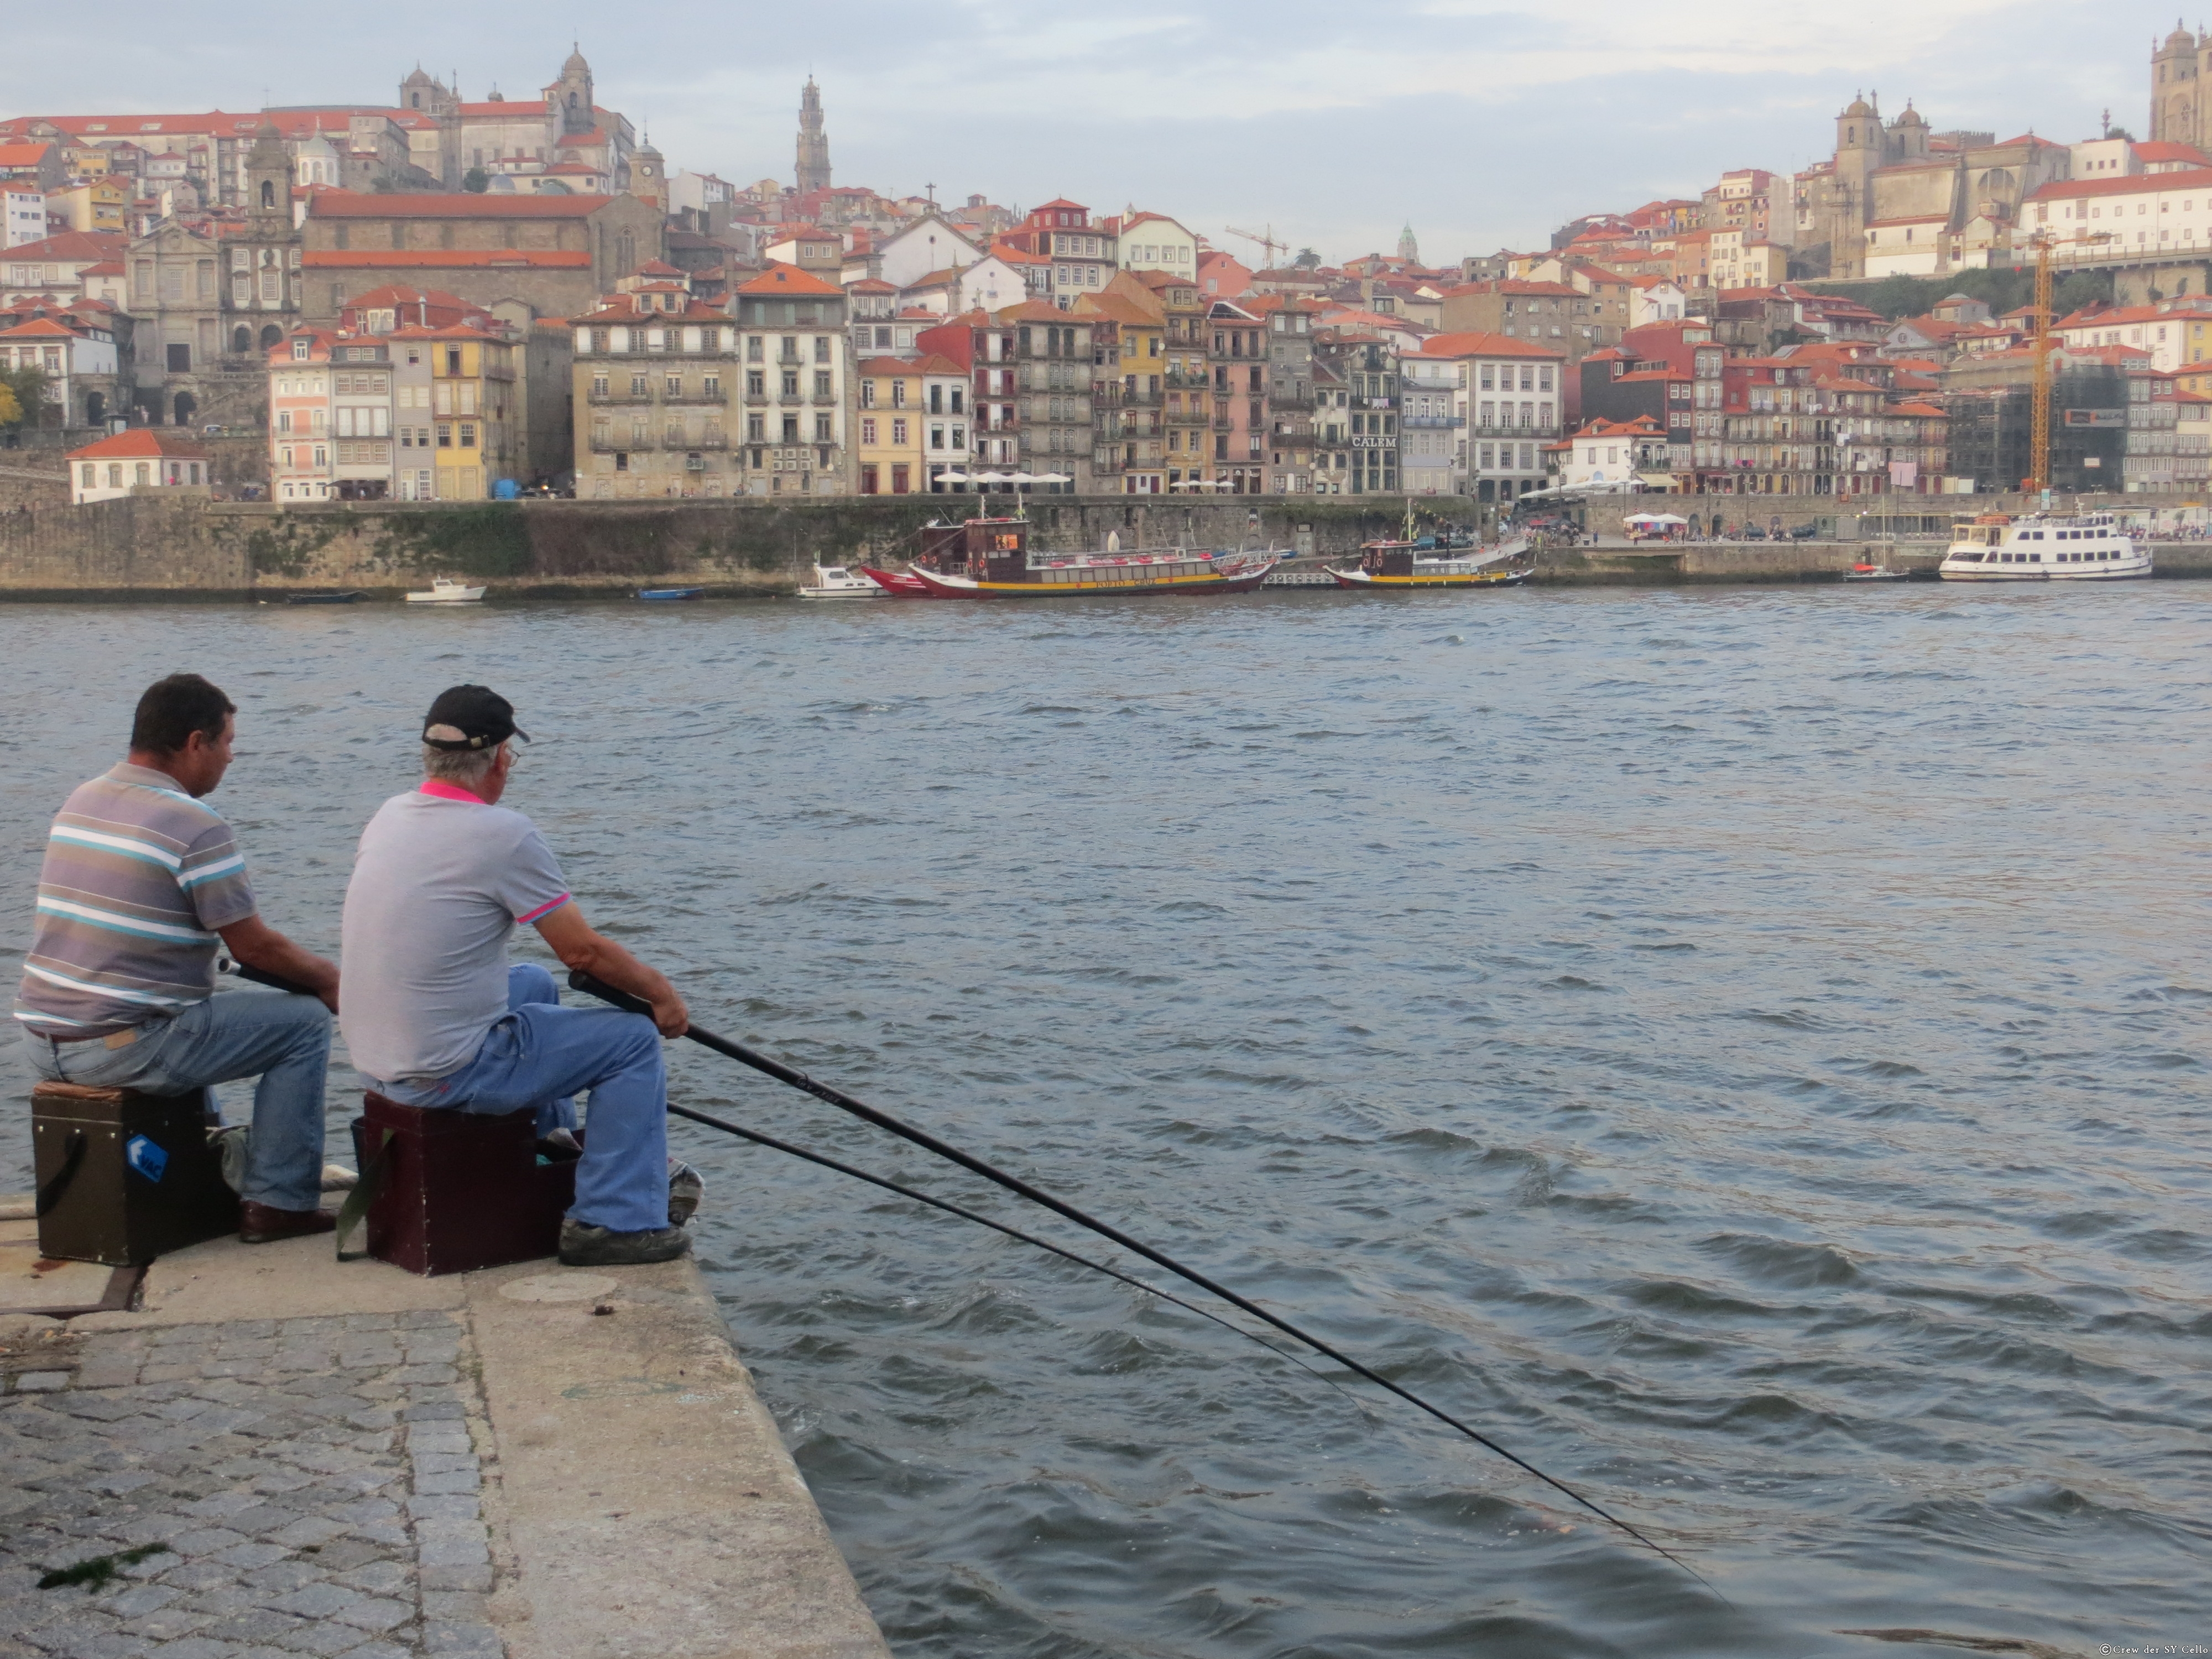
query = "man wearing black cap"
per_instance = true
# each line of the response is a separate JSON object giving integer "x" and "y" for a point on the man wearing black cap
{"x": 434, "y": 1016}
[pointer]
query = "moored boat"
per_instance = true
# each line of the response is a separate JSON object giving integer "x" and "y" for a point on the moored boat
{"x": 320, "y": 598}
{"x": 1875, "y": 573}
{"x": 990, "y": 558}
{"x": 835, "y": 582}
{"x": 444, "y": 590}
{"x": 2042, "y": 547}
{"x": 1393, "y": 565}
{"x": 665, "y": 594}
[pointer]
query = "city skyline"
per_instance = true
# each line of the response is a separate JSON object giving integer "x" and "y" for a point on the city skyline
{"x": 1471, "y": 122}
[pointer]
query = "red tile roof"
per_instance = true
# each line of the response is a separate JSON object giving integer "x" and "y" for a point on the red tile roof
{"x": 788, "y": 282}
{"x": 1485, "y": 345}
{"x": 140, "y": 442}
{"x": 444, "y": 258}
{"x": 86, "y": 244}
{"x": 424, "y": 204}
{"x": 2078, "y": 189}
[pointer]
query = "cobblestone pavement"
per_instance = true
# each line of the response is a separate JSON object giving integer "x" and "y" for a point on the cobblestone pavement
{"x": 312, "y": 1486}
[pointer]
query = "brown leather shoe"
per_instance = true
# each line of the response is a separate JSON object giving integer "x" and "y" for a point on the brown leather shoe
{"x": 264, "y": 1224}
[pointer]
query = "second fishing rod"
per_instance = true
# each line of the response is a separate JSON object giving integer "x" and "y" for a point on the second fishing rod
{"x": 793, "y": 1077}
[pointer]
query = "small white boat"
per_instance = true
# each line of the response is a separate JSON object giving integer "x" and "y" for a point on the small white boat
{"x": 444, "y": 590}
{"x": 835, "y": 582}
{"x": 2042, "y": 547}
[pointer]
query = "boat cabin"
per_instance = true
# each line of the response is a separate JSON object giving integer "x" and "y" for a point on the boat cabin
{"x": 986, "y": 550}
{"x": 1387, "y": 558}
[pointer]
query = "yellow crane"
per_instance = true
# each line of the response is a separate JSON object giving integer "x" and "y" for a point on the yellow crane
{"x": 2039, "y": 442}
{"x": 1266, "y": 239}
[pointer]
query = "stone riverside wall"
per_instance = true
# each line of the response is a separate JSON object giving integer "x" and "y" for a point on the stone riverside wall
{"x": 158, "y": 546}
{"x": 184, "y": 546}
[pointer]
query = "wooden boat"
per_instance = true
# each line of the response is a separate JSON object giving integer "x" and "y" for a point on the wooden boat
{"x": 1393, "y": 565}
{"x": 991, "y": 558}
{"x": 445, "y": 590}
{"x": 835, "y": 582}
{"x": 672, "y": 593}
{"x": 320, "y": 598}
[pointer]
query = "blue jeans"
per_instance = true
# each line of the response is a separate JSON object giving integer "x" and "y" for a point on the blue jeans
{"x": 283, "y": 1041}
{"x": 538, "y": 1057}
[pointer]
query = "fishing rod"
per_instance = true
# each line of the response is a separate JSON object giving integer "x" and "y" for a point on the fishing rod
{"x": 950, "y": 1208}
{"x": 581, "y": 980}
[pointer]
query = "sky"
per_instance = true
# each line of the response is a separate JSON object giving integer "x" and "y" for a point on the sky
{"x": 1481, "y": 123}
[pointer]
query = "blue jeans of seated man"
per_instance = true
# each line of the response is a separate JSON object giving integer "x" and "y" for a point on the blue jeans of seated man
{"x": 540, "y": 1056}
{"x": 282, "y": 1039}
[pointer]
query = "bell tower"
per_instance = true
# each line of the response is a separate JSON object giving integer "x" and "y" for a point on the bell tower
{"x": 571, "y": 96}
{"x": 813, "y": 142}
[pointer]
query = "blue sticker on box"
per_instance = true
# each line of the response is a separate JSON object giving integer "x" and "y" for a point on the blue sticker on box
{"x": 144, "y": 1156}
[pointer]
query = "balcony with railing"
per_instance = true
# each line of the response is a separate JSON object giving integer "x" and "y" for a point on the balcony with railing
{"x": 595, "y": 396}
{"x": 606, "y": 443}
{"x": 1431, "y": 421}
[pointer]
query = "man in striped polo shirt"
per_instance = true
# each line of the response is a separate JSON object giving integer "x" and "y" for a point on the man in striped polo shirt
{"x": 140, "y": 883}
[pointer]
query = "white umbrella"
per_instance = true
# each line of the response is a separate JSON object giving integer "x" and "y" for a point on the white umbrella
{"x": 1019, "y": 478}
{"x": 954, "y": 478}
{"x": 1664, "y": 518}
{"x": 1054, "y": 477}
{"x": 988, "y": 477}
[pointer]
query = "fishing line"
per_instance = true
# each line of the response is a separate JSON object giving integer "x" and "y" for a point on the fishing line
{"x": 580, "y": 980}
{"x": 950, "y": 1208}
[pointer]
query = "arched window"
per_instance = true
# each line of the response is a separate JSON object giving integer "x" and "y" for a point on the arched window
{"x": 268, "y": 195}
{"x": 186, "y": 404}
{"x": 270, "y": 335}
{"x": 241, "y": 339}
{"x": 572, "y": 101}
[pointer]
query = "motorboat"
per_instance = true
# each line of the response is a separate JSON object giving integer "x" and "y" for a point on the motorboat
{"x": 665, "y": 594}
{"x": 835, "y": 581}
{"x": 2042, "y": 547}
{"x": 1393, "y": 565}
{"x": 1875, "y": 573}
{"x": 447, "y": 590}
{"x": 320, "y": 598}
{"x": 991, "y": 558}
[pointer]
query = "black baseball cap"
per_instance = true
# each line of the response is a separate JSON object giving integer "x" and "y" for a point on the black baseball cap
{"x": 469, "y": 717}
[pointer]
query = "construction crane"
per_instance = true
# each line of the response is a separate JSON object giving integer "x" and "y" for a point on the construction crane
{"x": 2039, "y": 442}
{"x": 1267, "y": 240}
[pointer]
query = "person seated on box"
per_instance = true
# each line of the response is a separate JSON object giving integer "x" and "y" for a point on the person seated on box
{"x": 433, "y": 1015}
{"x": 140, "y": 882}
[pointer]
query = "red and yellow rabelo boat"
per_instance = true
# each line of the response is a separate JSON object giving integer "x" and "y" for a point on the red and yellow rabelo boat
{"x": 991, "y": 559}
{"x": 1392, "y": 565}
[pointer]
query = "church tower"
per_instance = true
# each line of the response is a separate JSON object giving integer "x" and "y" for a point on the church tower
{"x": 569, "y": 99}
{"x": 648, "y": 176}
{"x": 2173, "y": 88}
{"x": 813, "y": 142}
{"x": 1409, "y": 249}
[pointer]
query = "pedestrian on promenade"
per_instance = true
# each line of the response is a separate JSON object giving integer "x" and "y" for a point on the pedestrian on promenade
{"x": 436, "y": 1017}
{"x": 141, "y": 880}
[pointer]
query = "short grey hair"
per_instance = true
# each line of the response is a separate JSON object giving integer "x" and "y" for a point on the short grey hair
{"x": 466, "y": 766}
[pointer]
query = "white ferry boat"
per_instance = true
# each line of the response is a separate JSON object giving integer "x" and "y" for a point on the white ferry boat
{"x": 2042, "y": 547}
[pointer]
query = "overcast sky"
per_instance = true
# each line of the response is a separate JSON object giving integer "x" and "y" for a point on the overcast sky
{"x": 1485, "y": 122}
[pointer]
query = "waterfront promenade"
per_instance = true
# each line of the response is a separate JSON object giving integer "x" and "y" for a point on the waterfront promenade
{"x": 280, "y": 1456}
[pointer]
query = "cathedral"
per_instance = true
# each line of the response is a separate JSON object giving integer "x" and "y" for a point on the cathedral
{"x": 1897, "y": 198}
{"x": 2181, "y": 68}
{"x": 559, "y": 142}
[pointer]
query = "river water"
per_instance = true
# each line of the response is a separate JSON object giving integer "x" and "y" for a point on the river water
{"x": 1746, "y": 1049}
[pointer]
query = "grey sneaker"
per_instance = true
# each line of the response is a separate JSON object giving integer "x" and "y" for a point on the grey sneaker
{"x": 586, "y": 1246}
{"x": 231, "y": 1144}
{"x": 686, "y": 1186}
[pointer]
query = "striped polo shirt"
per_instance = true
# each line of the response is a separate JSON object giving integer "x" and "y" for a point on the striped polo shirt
{"x": 137, "y": 877}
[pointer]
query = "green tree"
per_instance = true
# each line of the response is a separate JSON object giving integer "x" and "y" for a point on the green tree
{"x": 475, "y": 181}
{"x": 1307, "y": 260}
{"x": 26, "y": 392}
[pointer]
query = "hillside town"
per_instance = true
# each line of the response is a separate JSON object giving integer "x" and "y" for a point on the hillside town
{"x": 441, "y": 300}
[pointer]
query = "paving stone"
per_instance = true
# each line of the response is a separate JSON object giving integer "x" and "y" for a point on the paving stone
{"x": 444, "y": 1640}
{"x": 380, "y": 1650}
{"x": 459, "y": 1480}
{"x": 322, "y": 1638}
{"x": 42, "y": 1382}
{"x": 376, "y": 1614}
{"x": 382, "y": 1577}
{"x": 457, "y": 1579}
{"x": 259, "y": 1626}
{"x": 316, "y": 1600}
{"x": 168, "y": 1624}
{"x": 249, "y": 1556}
{"x": 448, "y": 1507}
{"x": 442, "y": 1462}
{"x": 205, "y": 1540}
{"x": 140, "y": 1599}
{"x": 288, "y": 1575}
{"x": 454, "y": 1606}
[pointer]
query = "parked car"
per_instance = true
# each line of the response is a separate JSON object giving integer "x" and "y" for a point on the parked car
{"x": 1805, "y": 532}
